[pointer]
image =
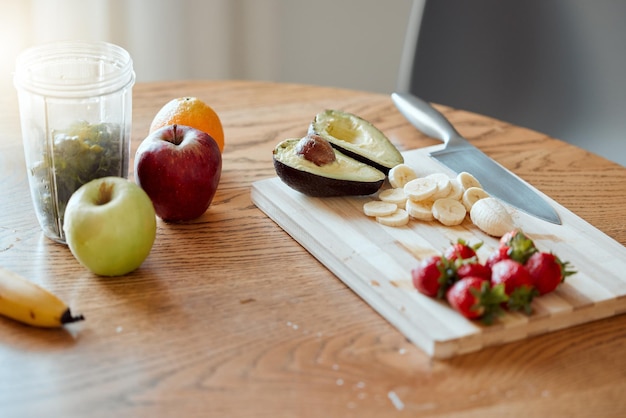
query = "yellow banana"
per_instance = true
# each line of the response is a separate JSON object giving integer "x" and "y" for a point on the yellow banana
{"x": 25, "y": 301}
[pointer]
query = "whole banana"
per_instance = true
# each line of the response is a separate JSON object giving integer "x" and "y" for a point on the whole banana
{"x": 25, "y": 301}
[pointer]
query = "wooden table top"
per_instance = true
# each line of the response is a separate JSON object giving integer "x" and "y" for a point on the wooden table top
{"x": 229, "y": 316}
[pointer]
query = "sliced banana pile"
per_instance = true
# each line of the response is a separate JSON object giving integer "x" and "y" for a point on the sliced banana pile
{"x": 438, "y": 197}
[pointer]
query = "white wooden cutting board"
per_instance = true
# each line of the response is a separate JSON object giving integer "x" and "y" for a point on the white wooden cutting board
{"x": 375, "y": 261}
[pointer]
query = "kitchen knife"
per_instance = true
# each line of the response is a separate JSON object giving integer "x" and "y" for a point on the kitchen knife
{"x": 459, "y": 155}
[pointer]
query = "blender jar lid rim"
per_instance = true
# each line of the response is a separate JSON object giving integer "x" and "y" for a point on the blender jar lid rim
{"x": 118, "y": 71}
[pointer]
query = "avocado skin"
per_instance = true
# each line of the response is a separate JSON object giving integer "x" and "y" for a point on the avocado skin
{"x": 319, "y": 186}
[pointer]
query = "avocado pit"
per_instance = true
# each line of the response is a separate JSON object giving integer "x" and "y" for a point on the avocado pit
{"x": 316, "y": 149}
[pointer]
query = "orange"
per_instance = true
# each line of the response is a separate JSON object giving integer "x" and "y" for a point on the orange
{"x": 190, "y": 111}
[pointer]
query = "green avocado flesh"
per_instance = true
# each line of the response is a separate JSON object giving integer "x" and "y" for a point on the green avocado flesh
{"x": 343, "y": 177}
{"x": 356, "y": 138}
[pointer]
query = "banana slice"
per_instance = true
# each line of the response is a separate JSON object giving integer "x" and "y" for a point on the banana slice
{"x": 422, "y": 211}
{"x": 443, "y": 185}
{"x": 472, "y": 195}
{"x": 379, "y": 208}
{"x": 420, "y": 188}
{"x": 491, "y": 217}
{"x": 449, "y": 212}
{"x": 400, "y": 175}
{"x": 456, "y": 190}
{"x": 468, "y": 180}
{"x": 395, "y": 195}
{"x": 399, "y": 218}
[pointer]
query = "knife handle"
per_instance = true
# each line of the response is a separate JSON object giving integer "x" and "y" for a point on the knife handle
{"x": 425, "y": 117}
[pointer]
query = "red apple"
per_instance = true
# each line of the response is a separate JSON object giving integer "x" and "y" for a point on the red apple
{"x": 179, "y": 167}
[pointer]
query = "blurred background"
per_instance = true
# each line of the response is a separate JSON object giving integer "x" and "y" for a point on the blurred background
{"x": 355, "y": 44}
{"x": 345, "y": 43}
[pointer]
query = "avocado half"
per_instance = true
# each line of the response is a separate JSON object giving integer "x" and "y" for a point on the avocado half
{"x": 356, "y": 138}
{"x": 343, "y": 177}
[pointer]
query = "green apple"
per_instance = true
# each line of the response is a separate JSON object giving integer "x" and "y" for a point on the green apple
{"x": 110, "y": 226}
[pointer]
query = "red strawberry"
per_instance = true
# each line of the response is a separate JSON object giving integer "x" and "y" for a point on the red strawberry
{"x": 547, "y": 271}
{"x": 474, "y": 297}
{"x": 520, "y": 246}
{"x": 502, "y": 253}
{"x": 473, "y": 269}
{"x": 518, "y": 285}
{"x": 461, "y": 250}
{"x": 505, "y": 240}
{"x": 433, "y": 276}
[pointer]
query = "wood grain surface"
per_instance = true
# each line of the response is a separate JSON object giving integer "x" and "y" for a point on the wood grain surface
{"x": 230, "y": 317}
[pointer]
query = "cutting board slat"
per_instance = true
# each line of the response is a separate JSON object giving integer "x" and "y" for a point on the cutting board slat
{"x": 375, "y": 261}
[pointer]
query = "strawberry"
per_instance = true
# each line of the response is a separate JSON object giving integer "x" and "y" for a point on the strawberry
{"x": 461, "y": 250}
{"x": 473, "y": 268}
{"x": 510, "y": 277}
{"x": 520, "y": 246}
{"x": 502, "y": 253}
{"x": 474, "y": 297}
{"x": 514, "y": 245}
{"x": 505, "y": 240}
{"x": 518, "y": 284}
{"x": 433, "y": 276}
{"x": 547, "y": 271}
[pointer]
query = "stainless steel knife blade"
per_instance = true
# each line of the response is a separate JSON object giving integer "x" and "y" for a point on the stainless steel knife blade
{"x": 459, "y": 155}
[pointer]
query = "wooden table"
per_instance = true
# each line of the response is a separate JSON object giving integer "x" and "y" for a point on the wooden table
{"x": 230, "y": 317}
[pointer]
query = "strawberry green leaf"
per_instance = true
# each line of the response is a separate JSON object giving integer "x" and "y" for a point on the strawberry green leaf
{"x": 489, "y": 299}
{"x": 521, "y": 299}
{"x": 521, "y": 247}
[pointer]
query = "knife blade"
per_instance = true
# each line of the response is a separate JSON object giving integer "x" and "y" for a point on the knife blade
{"x": 459, "y": 155}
